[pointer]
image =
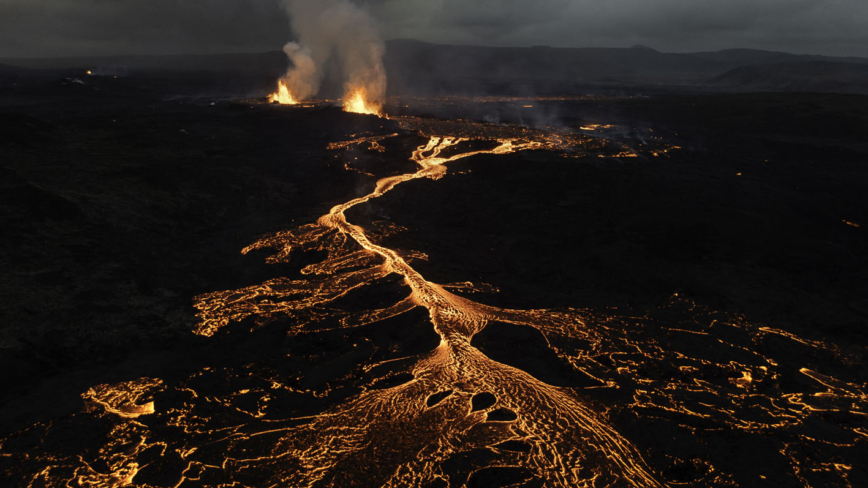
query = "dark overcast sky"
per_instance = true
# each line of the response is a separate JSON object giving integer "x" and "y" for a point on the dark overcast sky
{"x": 82, "y": 27}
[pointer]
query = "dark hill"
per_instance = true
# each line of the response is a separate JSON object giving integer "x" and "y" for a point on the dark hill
{"x": 415, "y": 65}
{"x": 814, "y": 76}
{"x": 638, "y": 65}
{"x": 748, "y": 57}
{"x": 248, "y": 63}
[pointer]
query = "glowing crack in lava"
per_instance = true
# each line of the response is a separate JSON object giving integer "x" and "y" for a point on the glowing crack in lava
{"x": 282, "y": 95}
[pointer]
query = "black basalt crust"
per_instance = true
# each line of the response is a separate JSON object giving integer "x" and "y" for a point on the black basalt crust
{"x": 675, "y": 295}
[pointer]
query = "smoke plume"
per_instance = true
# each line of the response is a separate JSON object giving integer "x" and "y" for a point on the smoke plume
{"x": 303, "y": 78}
{"x": 341, "y": 31}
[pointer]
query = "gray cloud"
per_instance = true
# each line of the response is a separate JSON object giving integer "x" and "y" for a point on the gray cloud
{"x": 48, "y": 28}
{"x": 806, "y": 26}
{"x": 74, "y": 27}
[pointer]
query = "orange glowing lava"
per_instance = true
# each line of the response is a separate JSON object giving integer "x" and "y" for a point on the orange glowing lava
{"x": 409, "y": 420}
{"x": 357, "y": 102}
{"x": 282, "y": 96}
{"x": 593, "y": 448}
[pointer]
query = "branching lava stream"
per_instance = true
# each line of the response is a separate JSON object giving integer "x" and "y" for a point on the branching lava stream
{"x": 443, "y": 417}
{"x": 393, "y": 431}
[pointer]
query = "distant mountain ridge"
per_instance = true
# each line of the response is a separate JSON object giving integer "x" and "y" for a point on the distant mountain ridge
{"x": 424, "y": 68}
{"x": 811, "y": 76}
{"x": 754, "y": 56}
{"x": 639, "y": 64}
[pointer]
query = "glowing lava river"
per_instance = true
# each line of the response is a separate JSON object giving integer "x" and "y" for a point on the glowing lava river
{"x": 399, "y": 435}
{"x": 452, "y": 416}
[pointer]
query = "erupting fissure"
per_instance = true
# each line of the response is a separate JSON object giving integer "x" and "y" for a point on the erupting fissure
{"x": 282, "y": 95}
{"x": 357, "y": 102}
{"x": 334, "y": 31}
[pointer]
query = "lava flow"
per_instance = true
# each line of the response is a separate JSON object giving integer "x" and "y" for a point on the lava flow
{"x": 568, "y": 444}
{"x": 699, "y": 394}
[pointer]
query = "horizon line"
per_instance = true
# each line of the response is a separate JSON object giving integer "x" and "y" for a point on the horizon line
{"x": 536, "y": 46}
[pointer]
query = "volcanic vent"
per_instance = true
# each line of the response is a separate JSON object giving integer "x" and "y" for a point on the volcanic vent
{"x": 334, "y": 31}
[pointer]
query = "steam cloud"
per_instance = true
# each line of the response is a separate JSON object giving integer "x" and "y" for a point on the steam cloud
{"x": 339, "y": 30}
{"x": 303, "y": 78}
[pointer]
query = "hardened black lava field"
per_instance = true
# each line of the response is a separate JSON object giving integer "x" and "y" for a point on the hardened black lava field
{"x": 640, "y": 289}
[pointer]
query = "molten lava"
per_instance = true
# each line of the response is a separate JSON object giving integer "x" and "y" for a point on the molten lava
{"x": 452, "y": 415}
{"x": 357, "y": 102}
{"x": 282, "y": 96}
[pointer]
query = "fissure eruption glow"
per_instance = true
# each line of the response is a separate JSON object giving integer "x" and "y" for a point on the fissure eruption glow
{"x": 334, "y": 31}
{"x": 358, "y": 102}
{"x": 282, "y": 96}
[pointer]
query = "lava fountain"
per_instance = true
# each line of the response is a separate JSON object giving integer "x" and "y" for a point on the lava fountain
{"x": 340, "y": 33}
{"x": 358, "y": 102}
{"x": 282, "y": 95}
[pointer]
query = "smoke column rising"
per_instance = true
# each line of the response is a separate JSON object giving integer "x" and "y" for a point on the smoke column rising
{"x": 303, "y": 78}
{"x": 339, "y": 30}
